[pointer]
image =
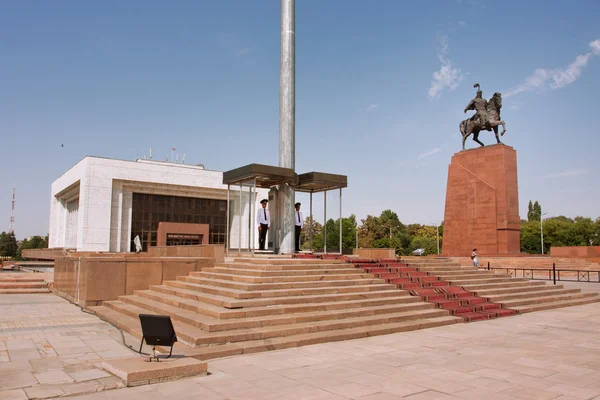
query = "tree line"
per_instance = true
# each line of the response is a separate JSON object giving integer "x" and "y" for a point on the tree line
{"x": 10, "y": 247}
{"x": 387, "y": 231}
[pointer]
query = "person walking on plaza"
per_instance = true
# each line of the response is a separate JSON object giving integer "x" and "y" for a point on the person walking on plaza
{"x": 263, "y": 220}
{"x": 299, "y": 223}
{"x": 475, "y": 258}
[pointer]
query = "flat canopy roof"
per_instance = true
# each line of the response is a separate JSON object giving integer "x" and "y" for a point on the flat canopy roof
{"x": 265, "y": 175}
{"x": 268, "y": 175}
{"x": 320, "y": 182}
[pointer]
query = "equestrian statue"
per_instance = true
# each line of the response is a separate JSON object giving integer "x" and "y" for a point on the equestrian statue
{"x": 486, "y": 118}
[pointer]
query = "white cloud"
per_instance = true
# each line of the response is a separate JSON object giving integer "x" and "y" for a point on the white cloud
{"x": 462, "y": 23}
{"x": 372, "y": 107}
{"x": 568, "y": 173}
{"x": 429, "y": 153}
{"x": 595, "y": 45}
{"x": 243, "y": 52}
{"x": 447, "y": 76}
{"x": 557, "y": 78}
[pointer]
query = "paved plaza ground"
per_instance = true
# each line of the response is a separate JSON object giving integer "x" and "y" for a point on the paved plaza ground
{"x": 51, "y": 348}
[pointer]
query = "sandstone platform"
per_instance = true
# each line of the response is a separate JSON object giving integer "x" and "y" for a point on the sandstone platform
{"x": 137, "y": 371}
{"x": 482, "y": 202}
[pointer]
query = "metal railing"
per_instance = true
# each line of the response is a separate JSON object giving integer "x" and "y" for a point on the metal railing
{"x": 552, "y": 274}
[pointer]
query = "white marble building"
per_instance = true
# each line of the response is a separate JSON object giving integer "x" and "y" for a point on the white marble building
{"x": 92, "y": 203}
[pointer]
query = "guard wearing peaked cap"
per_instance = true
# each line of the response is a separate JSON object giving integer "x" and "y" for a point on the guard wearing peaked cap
{"x": 299, "y": 224}
{"x": 263, "y": 220}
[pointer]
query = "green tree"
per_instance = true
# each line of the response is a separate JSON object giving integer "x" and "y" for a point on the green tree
{"x": 310, "y": 225}
{"x": 427, "y": 243}
{"x": 8, "y": 244}
{"x": 348, "y": 233}
{"x": 427, "y": 231}
{"x": 534, "y": 212}
{"x": 530, "y": 237}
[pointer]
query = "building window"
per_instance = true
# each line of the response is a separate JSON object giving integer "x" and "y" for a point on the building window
{"x": 150, "y": 209}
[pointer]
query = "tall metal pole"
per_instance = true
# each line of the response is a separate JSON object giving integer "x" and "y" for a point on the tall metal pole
{"x": 287, "y": 122}
{"x": 340, "y": 221}
{"x": 542, "y": 228}
{"x": 11, "y": 227}
{"x": 325, "y": 222}
{"x": 438, "y": 238}
{"x": 312, "y": 221}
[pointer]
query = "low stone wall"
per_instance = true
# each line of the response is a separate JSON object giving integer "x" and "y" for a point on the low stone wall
{"x": 43, "y": 254}
{"x": 575, "y": 251}
{"x": 209, "y": 250}
{"x": 374, "y": 253}
{"x": 88, "y": 281}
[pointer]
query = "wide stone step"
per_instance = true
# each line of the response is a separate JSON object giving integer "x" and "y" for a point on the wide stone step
{"x": 4, "y": 279}
{"x": 503, "y": 285}
{"x": 517, "y": 289}
{"x": 228, "y": 302}
{"x": 280, "y": 285}
{"x": 546, "y": 298}
{"x": 281, "y": 279}
{"x": 484, "y": 280}
{"x": 132, "y": 326}
{"x": 281, "y": 273}
{"x": 524, "y": 295}
{"x": 186, "y": 324}
{"x": 280, "y": 309}
{"x": 284, "y": 261}
{"x": 24, "y": 291}
{"x": 22, "y": 285}
{"x": 456, "y": 273}
{"x": 243, "y": 294}
{"x": 443, "y": 268}
{"x": 478, "y": 277}
{"x": 594, "y": 298}
{"x": 211, "y": 324}
{"x": 284, "y": 267}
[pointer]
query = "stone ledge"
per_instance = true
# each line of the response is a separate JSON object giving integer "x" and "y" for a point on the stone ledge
{"x": 138, "y": 371}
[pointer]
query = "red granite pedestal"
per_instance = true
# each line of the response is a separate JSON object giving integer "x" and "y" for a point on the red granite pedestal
{"x": 482, "y": 203}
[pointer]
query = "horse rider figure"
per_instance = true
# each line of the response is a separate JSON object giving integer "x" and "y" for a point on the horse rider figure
{"x": 479, "y": 104}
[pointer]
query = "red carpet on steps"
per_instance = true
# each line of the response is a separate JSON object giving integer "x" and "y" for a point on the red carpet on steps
{"x": 433, "y": 289}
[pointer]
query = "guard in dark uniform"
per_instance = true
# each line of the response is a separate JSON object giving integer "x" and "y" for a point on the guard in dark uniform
{"x": 299, "y": 223}
{"x": 263, "y": 220}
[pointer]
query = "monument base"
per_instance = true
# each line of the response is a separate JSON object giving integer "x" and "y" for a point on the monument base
{"x": 482, "y": 203}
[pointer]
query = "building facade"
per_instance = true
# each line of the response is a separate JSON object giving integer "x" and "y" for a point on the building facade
{"x": 102, "y": 204}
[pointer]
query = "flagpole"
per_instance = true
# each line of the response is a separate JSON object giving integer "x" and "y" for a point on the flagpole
{"x": 172, "y": 154}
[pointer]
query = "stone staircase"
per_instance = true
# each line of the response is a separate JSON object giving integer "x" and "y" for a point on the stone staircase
{"x": 258, "y": 304}
{"x": 513, "y": 293}
{"x": 22, "y": 283}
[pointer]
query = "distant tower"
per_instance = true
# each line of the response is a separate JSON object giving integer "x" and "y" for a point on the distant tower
{"x": 11, "y": 228}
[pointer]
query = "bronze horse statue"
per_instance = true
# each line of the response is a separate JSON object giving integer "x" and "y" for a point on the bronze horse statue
{"x": 473, "y": 126}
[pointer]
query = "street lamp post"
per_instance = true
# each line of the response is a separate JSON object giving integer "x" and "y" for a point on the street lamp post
{"x": 542, "y": 229}
{"x": 437, "y": 227}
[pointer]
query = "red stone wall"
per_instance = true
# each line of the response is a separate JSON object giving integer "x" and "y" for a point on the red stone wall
{"x": 482, "y": 202}
{"x": 576, "y": 251}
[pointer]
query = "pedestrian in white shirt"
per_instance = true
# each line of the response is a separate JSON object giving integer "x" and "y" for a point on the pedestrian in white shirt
{"x": 299, "y": 223}
{"x": 263, "y": 220}
{"x": 475, "y": 258}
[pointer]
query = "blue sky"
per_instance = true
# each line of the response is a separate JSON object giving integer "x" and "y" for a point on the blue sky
{"x": 114, "y": 79}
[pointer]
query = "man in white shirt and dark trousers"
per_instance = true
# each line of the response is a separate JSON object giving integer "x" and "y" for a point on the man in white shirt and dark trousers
{"x": 299, "y": 222}
{"x": 263, "y": 219}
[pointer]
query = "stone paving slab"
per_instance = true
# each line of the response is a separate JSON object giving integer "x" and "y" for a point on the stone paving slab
{"x": 546, "y": 355}
{"x": 50, "y": 348}
{"x": 551, "y": 354}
